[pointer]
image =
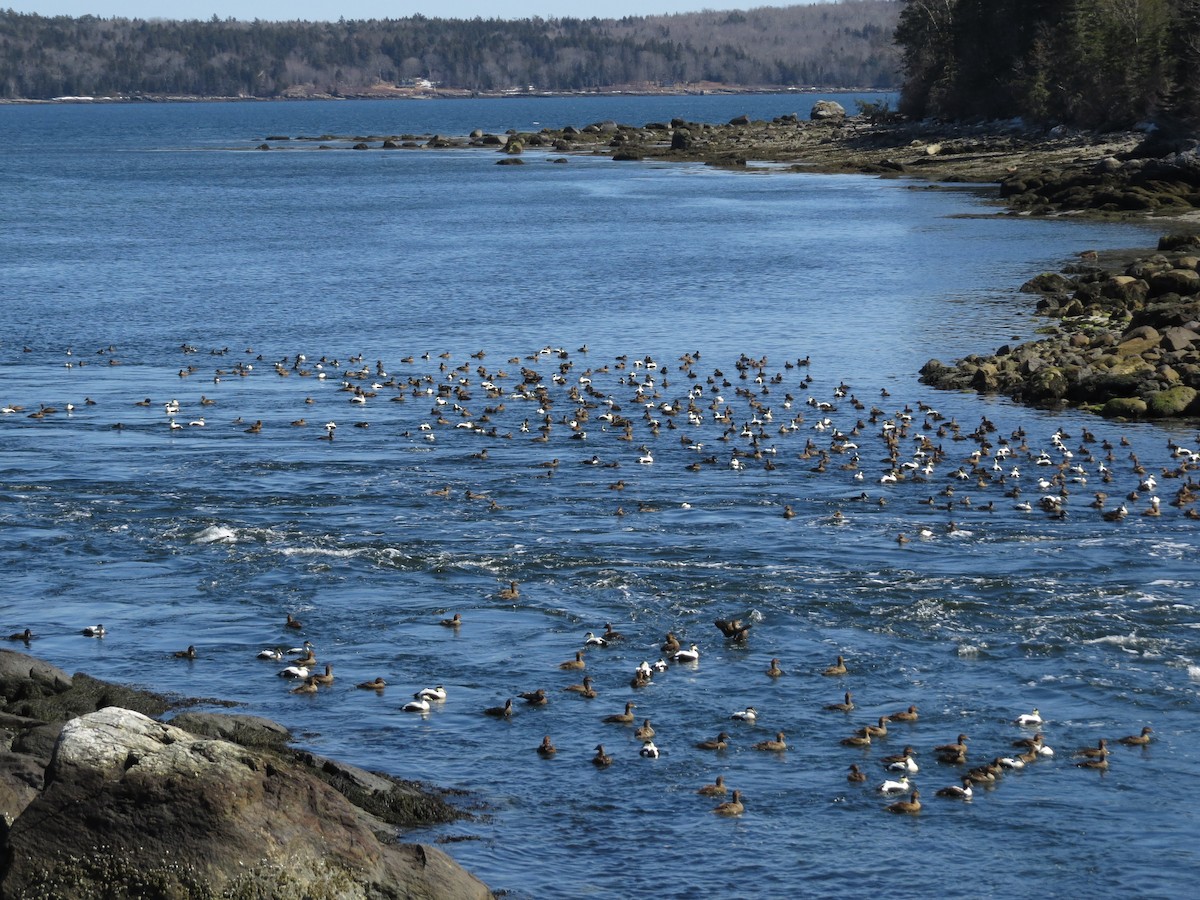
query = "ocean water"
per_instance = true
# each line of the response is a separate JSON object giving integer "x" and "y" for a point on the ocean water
{"x": 501, "y": 325}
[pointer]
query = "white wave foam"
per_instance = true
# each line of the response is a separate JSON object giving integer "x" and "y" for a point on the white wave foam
{"x": 216, "y": 534}
{"x": 1194, "y": 673}
{"x": 322, "y": 551}
{"x": 1127, "y": 642}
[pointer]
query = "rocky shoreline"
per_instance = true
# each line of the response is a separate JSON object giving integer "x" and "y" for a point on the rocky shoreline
{"x": 1126, "y": 343}
{"x": 97, "y": 791}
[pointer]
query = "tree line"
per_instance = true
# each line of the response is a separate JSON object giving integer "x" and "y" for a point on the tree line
{"x": 1091, "y": 63}
{"x": 844, "y": 44}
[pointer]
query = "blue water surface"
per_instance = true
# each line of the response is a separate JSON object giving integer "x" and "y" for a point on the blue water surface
{"x": 504, "y": 322}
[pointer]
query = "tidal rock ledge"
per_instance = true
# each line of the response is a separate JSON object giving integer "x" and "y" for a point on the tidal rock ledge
{"x": 115, "y": 803}
{"x": 1127, "y": 342}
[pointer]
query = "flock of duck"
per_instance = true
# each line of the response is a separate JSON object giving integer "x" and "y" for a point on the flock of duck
{"x": 647, "y": 414}
{"x": 899, "y": 770}
{"x": 755, "y": 416}
{"x": 639, "y": 411}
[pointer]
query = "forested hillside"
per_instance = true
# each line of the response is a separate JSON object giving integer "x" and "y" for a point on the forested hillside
{"x": 1093, "y": 63}
{"x": 846, "y": 44}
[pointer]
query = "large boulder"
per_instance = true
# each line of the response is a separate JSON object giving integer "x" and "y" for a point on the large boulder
{"x": 1124, "y": 408}
{"x": 161, "y": 812}
{"x": 827, "y": 111}
{"x": 1174, "y": 401}
{"x": 1184, "y": 282}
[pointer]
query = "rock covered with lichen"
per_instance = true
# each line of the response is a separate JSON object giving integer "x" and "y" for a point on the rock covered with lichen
{"x": 1126, "y": 342}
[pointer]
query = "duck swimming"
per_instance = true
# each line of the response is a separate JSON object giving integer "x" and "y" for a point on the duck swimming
{"x": 911, "y": 806}
{"x": 601, "y": 759}
{"x": 894, "y": 786}
{"x": 309, "y": 686}
{"x": 377, "y": 685}
{"x": 1137, "y": 740}
{"x": 512, "y": 592}
{"x": 774, "y": 745}
{"x": 452, "y": 623}
{"x": 645, "y": 732}
{"x": 879, "y": 730}
{"x": 692, "y": 654}
{"x": 846, "y": 705}
{"x": 720, "y": 742}
{"x": 716, "y": 789}
{"x": 953, "y": 754}
{"x": 26, "y": 636}
{"x": 1100, "y": 751}
{"x": 189, "y": 653}
{"x": 625, "y": 718}
{"x": 838, "y": 668}
{"x": 954, "y": 792}
{"x": 774, "y": 671}
{"x": 731, "y": 807}
{"x": 417, "y": 705}
{"x": 856, "y": 775}
{"x": 500, "y": 712}
{"x": 1029, "y": 720}
{"x": 576, "y": 663}
{"x": 433, "y": 694}
{"x": 294, "y": 672}
{"x": 649, "y": 751}
{"x": 585, "y": 689}
{"x": 546, "y": 749}
{"x": 749, "y": 714}
{"x": 905, "y": 764}
{"x": 94, "y": 631}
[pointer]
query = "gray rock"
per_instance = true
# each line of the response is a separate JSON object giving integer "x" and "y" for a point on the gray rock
{"x": 248, "y": 731}
{"x": 21, "y": 778}
{"x": 1184, "y": 282}
{"x": 18, "y": 671}
{"x": 827, "y": 110}
{"x": 161, "y": 812}
{"x": 1178, "y": 338}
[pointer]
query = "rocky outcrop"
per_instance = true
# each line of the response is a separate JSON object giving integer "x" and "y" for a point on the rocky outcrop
{"x": 1131, "y": 182}
{"x": 115, "y": 803}
{"x": 824, "y": 110}
{"x": 1127, "y": 342}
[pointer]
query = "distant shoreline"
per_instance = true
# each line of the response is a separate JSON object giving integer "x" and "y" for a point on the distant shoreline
{"x": 451, "y": 94}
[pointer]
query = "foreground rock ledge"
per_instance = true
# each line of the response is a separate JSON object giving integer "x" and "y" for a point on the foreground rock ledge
{"x": 131, "y": 806}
